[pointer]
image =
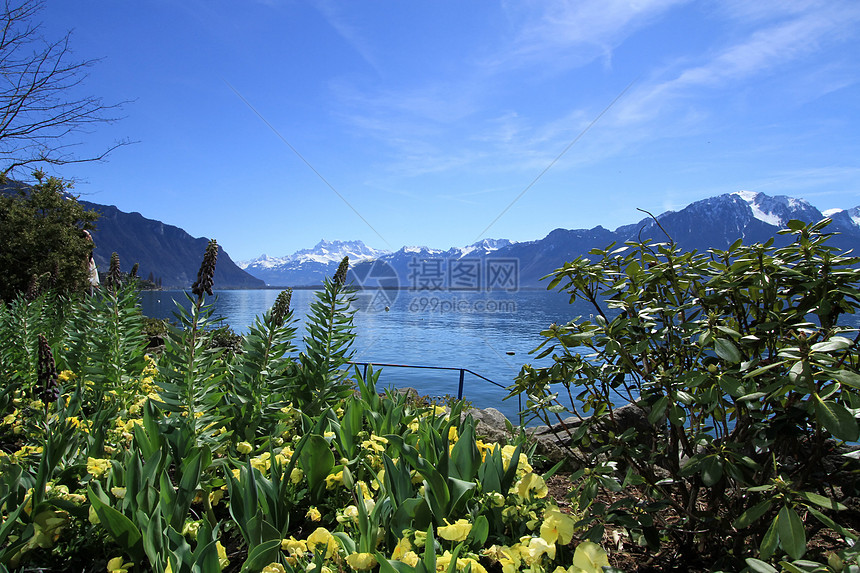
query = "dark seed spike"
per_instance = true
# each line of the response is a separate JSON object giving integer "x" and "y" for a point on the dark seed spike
{"x": 206, "y": 274}
{"x": 281, "y": 307}
{"x": 114, "y": 274}
{"x": 340, "y": 275}
{"x": 46, "y": 372}
{"x": 33, "y": 288}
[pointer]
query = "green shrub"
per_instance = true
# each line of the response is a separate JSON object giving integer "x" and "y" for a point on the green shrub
{"x": 741, "y": 367}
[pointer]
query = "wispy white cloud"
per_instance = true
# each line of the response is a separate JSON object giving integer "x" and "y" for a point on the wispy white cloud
{"x": 452, "y": 124}
{"x": 573, "y": 33}
{"x": 762, "y": 52}
{"x": 352, "y": 34}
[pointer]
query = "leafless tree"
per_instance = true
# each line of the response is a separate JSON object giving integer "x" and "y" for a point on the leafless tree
{"x": 40, "y": 115}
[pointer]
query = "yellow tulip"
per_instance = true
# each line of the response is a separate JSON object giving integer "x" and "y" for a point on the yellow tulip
{"x": 457, "y": 531}
{"x": 361, "y": 561}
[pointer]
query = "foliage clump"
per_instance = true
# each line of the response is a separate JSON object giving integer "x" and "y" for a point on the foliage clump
{"x": 44, "y": 244}
{"x": 265, "y": 459}
{"x": 742, "y": 376}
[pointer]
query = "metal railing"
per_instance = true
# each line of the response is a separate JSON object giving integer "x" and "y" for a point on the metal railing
{"x": 462, "y": 375}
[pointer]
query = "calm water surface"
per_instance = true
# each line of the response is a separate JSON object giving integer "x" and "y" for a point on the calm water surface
{"x": 477, "y": 331}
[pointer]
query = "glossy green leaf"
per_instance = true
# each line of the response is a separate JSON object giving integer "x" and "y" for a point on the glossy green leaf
{"x": 317, "y": 461}
{"x": 759, "y": 566}
{"x": 262, "y": 555}
{"x": 836, "y": 419}
{"x": 822, "y": 501}
{"x": 792, "y": 535}
{"x": 753, "y": 514}
{"x": 770, "y": 541}
{"x": 120, "y": 527}
{"x": 727, "y": 350}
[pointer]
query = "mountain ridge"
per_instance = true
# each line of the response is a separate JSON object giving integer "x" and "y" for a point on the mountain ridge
{"x": 714, "y": 222}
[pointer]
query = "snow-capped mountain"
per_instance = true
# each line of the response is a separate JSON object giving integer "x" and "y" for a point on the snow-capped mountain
{"x": 307, "y": 267}
{"x": 844, "y": 217}
{"x": 324, "y": 252}
{"x": 778, "y": 210}
{"x": 716, "y": 222}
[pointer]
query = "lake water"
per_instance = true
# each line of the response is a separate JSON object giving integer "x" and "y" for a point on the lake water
{"x": 476, "y": 331}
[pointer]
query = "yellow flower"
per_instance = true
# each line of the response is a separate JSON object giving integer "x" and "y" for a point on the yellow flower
{"x": 97, "y": 467}
{"x": 403, "y": 546}
{"x": 262, "y": 462}
{"x": 331, "y": 480}
{"x": 215, "y": 497}
{"x": 410, "y": 558}
{"x": 523, "y": 466}
{"x": 497, "y": 499}
{"x": 295, "y": 547}
{"x": 65, "y": 376}
{"x": 361, "y": 561}
{"x": 116, "y": 565}
{"x": 365, "y": 491}
{"x": 589, "y": 558}
{"x": 118, "y": 492}
{"x": 443, "y": 563}
{"x": 556, "y": 526}
{"x": 453, "y": 435}
{"x": 244, "y": 448}
{"x": 457, "y": 531}
{"x": 274, "y": 568}
{"x": 321, "y": 536}
{"x": 532, "y": 485}
{"x": 47, "y": 527}
{"x": 350, "y": 513}
{"x": 537, "y": 547}
{"x": 509, "y": 558}
{"x": 375, "y": 443}
{"x": 222, "y": 555}
{"x": 313, "y": 514}
{"x": 190, "y": 529}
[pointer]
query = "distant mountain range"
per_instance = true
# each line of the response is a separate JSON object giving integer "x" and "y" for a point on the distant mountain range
{"x": 308, "y": 267}
{"x": 500, "y": 264}
{"x": 172, "y": 255}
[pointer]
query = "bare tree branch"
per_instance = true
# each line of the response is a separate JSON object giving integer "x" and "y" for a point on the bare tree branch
{"x": 39, "y": 115}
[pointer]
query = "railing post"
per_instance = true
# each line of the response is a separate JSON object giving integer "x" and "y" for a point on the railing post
{"x": 364, "y": 375}
{"x": 460, "y": 389}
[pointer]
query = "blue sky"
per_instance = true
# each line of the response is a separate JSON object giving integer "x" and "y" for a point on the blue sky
{"x": 430, "y": 118}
